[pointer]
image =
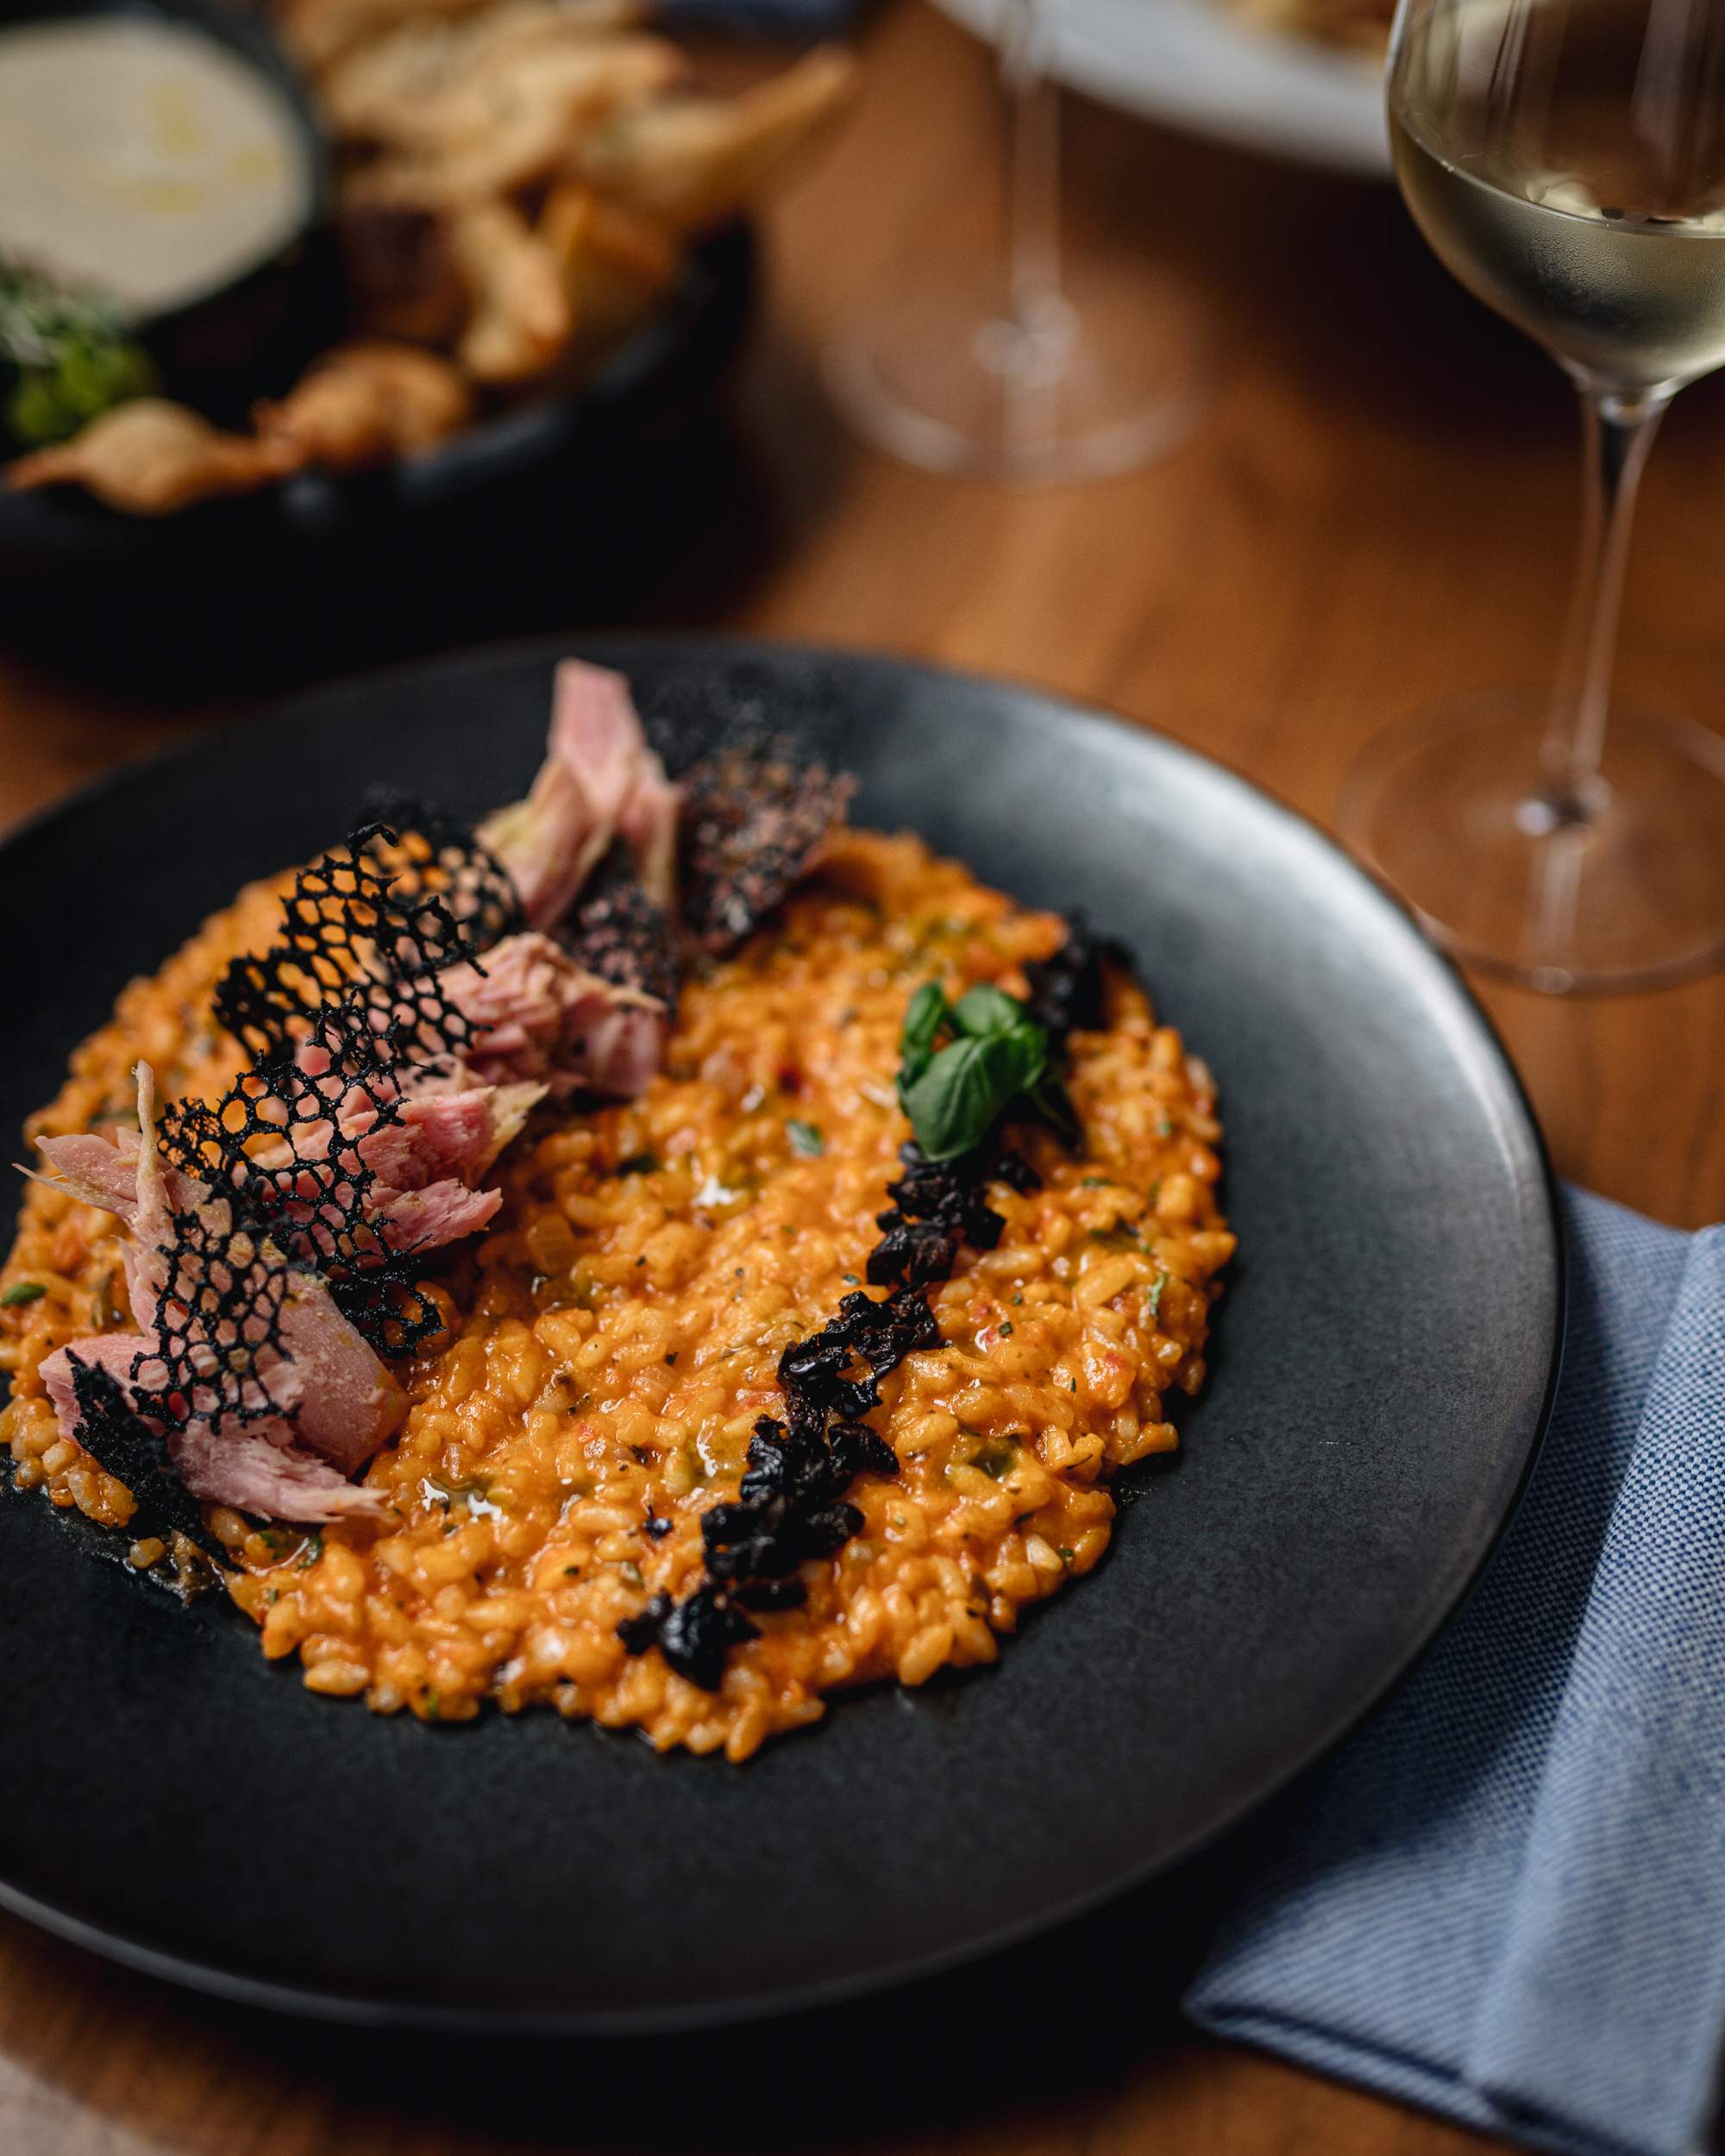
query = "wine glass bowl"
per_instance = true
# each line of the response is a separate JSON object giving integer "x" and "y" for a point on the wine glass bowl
{"x": 1028, "y": 366}
{"x": 1565, "y": 161}
{"x": 1098, "y": 377}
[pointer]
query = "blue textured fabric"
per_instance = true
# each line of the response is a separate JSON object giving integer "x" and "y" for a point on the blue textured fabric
{"x": 767, "y": 18}
{"x": 1504, "y": 1898}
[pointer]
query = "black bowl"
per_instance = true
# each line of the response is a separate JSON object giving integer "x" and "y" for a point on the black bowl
{"x": 252, "y": 335}
{"x": 563, "y": 509}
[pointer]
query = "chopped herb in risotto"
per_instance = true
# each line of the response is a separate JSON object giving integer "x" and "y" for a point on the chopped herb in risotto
{"x": 667, "y": 1255}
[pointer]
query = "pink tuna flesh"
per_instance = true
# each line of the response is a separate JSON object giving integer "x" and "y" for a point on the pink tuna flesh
{"x": 599, "y": 780}
{"x": 261, "y": 1474}
{"x": 540, "y": 1018}
{"x": 341, "y": 1399}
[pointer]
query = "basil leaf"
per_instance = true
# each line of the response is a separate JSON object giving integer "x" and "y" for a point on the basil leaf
{"x": 806, "y": 1140}
{"x": 22, "y": 1292}
{"x": 956, "y": 1095}
{"x": 928, "y": 1013}
{"x": 1023, "y": 1053}
{"x": 965, "y": 1089}
{"x": 952, "y": 1105}
{"x": 987, "y": 1010}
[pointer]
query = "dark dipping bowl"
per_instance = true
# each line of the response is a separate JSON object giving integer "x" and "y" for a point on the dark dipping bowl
{"x": 252, "y": 335}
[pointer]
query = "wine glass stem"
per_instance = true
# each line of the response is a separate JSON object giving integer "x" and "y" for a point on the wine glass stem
{"x": 1618, "y": 427}
{"x": 1033, "y": 100}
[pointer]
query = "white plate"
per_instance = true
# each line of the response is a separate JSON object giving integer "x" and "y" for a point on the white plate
{"x": 1195, "y": 64}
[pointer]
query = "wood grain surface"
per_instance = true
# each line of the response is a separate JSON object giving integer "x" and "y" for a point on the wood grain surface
{"x": 1378, "y": 510}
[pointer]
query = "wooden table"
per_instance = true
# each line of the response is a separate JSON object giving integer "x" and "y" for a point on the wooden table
{"x": 1379, "y": 511}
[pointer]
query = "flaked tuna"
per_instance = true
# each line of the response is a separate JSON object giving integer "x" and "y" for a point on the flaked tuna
{"x": 599, "y": 781}
{"x": 541, "y": 1019}
{"x": 257, "y": 1466}
{"x": 253, "y": 1470}
{"x": 425, "y": 1141}
{"x": 313, "y": 1387}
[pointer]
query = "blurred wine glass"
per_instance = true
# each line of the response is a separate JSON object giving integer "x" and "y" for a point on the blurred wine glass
{"x": 1039, "y": 367}
{"x": 1565, "y": 159}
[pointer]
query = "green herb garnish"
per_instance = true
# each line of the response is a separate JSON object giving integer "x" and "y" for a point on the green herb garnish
{"x": 22, "y": 1291}
{"x": 807, "y": 1139}
{"x": 65, "y": 358}
{"x": 925, "y": 1018}
{"x": 995, "y": 1459}
{"x": 313, "y": 1550}
{"x": 996, "y": 1053}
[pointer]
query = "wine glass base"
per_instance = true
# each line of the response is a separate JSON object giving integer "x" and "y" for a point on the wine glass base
{"x": 1109, "y": 377}
{"x": 1622, "y": 888}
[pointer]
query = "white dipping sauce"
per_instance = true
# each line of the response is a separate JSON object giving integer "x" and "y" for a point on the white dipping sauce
{"x": 143, "y": 159}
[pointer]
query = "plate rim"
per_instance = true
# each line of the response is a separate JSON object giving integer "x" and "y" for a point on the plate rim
{"x": 620, "y": 650}
{"x": 1286, "y": 131}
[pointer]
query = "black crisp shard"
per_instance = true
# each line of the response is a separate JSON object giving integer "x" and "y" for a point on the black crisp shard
{"x": 939, "y": 1206}
{"x": 619, "y": 934}
{"x": 434, "y": 854}
{"x": 754, "y": 822}
{"x": 641, "y": 1631}
{"x": 878, "y": 1335}
{"x": 217, "y": 1330}
{"x": 274, "y": 1144}
{"x": 791, "y": 1507}
{"x": 264, "y": 1184}
{"x": 267, "y": 1186}
{"x": 121, "y": 1442}
{"x": 372, "y": 923}
{"x": 694, "y": 1635}
{"x": 1068, "y": 992}
{"x": 330, "y": 1012}
{"x": 700, "y": 1631}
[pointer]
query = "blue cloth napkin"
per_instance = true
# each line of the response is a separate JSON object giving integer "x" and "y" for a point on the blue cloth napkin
{"x": 1504, "y": 1898}
{"x": 767, "y": 18}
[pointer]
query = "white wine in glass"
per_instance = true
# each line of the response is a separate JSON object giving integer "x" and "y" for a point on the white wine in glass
{"x": 1565, "y": 159}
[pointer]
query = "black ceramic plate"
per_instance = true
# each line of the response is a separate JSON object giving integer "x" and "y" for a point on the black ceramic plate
{"x": 645, "y": 387}
{"x": 1382, "y": 1364}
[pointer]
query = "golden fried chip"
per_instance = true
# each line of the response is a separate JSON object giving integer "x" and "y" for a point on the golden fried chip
{"x": 522, "y": 320}
{"x": 376, "y": 92}
{"x": 515, "y": 124}
{"x": 617, "y": 265}
{"x": 151, "y": 457}
{"x": 363, "y": 405}
{"x": 693, "y": 162}
{"x": 319, "y": 32}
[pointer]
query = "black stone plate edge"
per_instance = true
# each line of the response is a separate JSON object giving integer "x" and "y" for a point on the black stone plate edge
{"x": 620, "y": 651}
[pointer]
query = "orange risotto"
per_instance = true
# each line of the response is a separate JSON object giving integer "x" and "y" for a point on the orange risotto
{"x": 612, "y": 1342}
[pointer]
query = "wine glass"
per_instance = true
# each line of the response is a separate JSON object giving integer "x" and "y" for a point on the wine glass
{"x": 1036, "y": 367}
{"x": 1565, "y": 159}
